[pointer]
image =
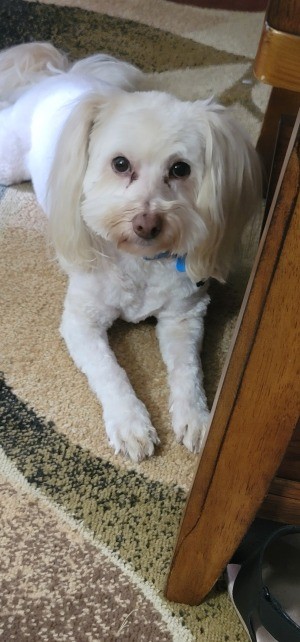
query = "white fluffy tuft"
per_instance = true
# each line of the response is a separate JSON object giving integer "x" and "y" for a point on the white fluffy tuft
{"x": 25, "y": 65}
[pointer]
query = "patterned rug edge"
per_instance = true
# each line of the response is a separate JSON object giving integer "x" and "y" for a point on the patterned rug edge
{"x": 13, "y": 475}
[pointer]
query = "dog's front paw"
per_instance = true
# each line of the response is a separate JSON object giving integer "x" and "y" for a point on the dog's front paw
{"x": 132, "y": 433}
{"x": 190, "y": 426}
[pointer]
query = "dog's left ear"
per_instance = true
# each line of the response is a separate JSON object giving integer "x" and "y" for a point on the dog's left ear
{"x": 229, "y": 189}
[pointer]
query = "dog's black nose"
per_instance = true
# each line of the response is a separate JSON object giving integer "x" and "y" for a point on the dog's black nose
{"x": 147, "y": 225}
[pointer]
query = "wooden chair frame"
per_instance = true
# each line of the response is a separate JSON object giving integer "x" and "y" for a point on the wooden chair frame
{"x": 256, "y": 406}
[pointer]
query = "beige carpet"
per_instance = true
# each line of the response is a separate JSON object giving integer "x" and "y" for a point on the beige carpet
{"x": 86, "y": 536}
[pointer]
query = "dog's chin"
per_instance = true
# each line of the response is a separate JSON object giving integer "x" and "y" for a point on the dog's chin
{"x": 141, "y": 247}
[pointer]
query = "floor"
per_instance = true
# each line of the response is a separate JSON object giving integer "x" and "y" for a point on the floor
{"x": 231, "y": 5}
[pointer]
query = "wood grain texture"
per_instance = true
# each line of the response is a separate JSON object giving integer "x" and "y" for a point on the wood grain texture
{"x": 281, "y": 103}
{"x": 290, "y": 465}
{"x": 256, "y": 406}
{"x": 284, "y": 15}
{"x": 282, "y": 503}
{"x": 277, "y": 61}
{"x": 285, "y": 129}
{"x": 278, "y": 55}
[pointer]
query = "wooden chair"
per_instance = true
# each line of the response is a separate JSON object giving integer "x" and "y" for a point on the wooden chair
{"x": 250, "y": 463}
{"x": 278, "y": 63}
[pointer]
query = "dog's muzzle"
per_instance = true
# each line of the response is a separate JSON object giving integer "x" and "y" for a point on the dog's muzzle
{"x": 147, "y": 225}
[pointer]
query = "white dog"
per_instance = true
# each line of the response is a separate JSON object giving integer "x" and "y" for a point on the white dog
{"x": 146, "y": 196}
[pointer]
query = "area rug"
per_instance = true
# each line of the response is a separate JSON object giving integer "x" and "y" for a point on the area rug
{"x": 86, "y": 536}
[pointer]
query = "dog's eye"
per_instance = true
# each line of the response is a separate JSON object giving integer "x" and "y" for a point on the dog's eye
{"x": 121, "y": 164}
{"x": 180, "y": 169}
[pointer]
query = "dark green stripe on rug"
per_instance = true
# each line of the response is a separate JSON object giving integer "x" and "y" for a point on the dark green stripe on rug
{"x": 135, "y": 517}
{"x": 129, "y": 512}
{"x": 81, "y": 33}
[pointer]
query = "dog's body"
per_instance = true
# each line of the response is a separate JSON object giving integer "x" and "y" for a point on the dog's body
{"x": 146, "y": 197}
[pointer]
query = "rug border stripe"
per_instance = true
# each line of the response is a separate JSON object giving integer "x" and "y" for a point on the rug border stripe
{"x": 13, "y": 475}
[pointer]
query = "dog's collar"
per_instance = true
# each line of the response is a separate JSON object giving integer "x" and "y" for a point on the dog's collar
{"x": 179, "y": 263}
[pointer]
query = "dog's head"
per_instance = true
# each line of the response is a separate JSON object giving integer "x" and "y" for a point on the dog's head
{"x": 147, "y": 173}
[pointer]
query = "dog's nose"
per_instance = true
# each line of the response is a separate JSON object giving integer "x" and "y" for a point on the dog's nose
{"x": 147, "y": 225}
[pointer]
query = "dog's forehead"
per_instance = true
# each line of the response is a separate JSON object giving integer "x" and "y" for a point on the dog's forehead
{"x": 151, "y": 124}
{"x": 151, "y": 104}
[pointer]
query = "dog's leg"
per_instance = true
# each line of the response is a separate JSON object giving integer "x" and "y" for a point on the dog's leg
{"x": 180, "y": 342}
{"x": 127, "y": 421}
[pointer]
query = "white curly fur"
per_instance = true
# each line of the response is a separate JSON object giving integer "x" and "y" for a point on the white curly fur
{"x": 61, "y": 126}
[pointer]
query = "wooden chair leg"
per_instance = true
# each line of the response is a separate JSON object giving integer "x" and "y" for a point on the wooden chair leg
{"x": 256, "y": 407}
{"x": 281, "y": 103}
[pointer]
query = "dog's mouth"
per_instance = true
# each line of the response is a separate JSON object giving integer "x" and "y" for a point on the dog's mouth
{"x": 142, "y": 247}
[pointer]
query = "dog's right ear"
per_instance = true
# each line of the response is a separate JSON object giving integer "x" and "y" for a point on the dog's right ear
{"x": 73, "y": 242}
